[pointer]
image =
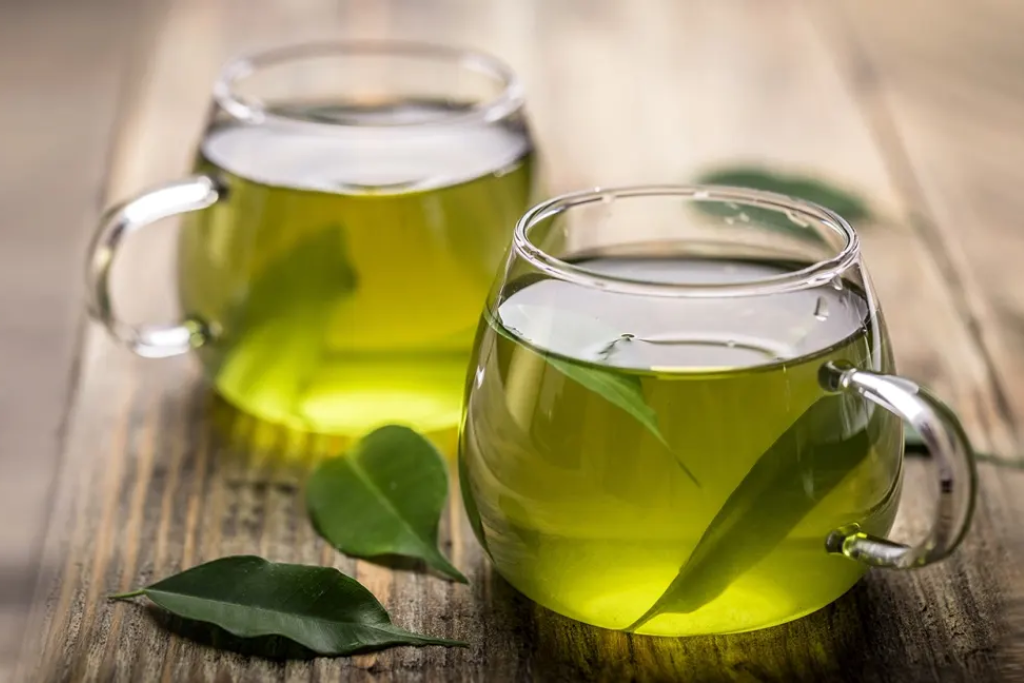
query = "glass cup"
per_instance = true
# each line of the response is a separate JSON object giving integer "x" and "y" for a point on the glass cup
{"x": 350, "y": 205}
{"x": 681, "y": 417}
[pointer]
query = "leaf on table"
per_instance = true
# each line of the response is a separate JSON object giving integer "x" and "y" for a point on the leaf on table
{"x": 384, "y": 497}
{"x": 317, "y": 607}
{"x": 914, "y": 444}
{"x": 786, "y": 482}
{"x": 621, "y": 390}
{"x": 845, "y": 203}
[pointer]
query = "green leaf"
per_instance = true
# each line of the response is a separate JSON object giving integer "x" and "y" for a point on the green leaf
{"x": 275, "y": 336}
{"x": 317, "y": 607}
{"x": 384, "y": 497}
{"x": 999, "y": 461}
{"x": 914, "y": 444}
{"x": 846, "y": 204}
{"x": 622, "y": 391}
{"x": 800, "y": 468}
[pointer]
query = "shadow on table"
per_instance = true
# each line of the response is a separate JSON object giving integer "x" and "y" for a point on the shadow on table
{"x": 822, "y": 646}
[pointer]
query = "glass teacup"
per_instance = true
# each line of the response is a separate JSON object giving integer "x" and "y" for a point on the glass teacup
{"x": 682, "y": 419}
{"x": 350, "y": 206}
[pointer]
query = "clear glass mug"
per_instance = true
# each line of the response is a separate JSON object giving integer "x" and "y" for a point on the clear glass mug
{"x": 350, "y": 205}
{"x": 681, "y": 417}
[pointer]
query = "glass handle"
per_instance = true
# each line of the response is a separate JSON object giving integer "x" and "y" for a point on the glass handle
{"x": 150, "y": 341}
{"x": 951, "y": 457}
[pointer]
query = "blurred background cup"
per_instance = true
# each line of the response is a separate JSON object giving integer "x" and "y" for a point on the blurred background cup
{"x": 350, "y": 203}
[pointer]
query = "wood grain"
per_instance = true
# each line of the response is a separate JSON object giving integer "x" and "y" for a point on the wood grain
{"x": 945, "y": 107}
{"x": 158, "y": 475}
{"x": 61, "y": 68}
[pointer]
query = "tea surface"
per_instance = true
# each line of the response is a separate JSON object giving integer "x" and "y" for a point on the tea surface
{"x": 343, "y": 276}
{"x": 588, "y": 512}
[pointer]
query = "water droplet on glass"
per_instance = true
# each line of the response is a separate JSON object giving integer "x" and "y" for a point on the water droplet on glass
{"x": 837, "y": 284}
{"x": 744, "y": 217}
{"x": 627, "y": 336}
{"x": 821, "y": 309}
{"x": 731, "y": 343}
{"x": 607, "y": 199}
{"x": 730, "y": 220}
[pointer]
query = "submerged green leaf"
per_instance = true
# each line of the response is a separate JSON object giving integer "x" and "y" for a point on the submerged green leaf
{"x": 622, "y": 391}
{"x": 275, "y": 336}
{"x": 317, "y": 607}
{"x": 384, "y": 497}
{"x": 800, "y": 468}
{"x": 311, "y": 273}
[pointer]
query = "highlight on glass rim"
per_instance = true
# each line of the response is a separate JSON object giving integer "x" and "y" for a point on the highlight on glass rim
{"x": 494, "y": 340}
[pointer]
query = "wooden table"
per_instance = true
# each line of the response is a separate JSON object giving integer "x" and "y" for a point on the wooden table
{"x": 917, "y": 105}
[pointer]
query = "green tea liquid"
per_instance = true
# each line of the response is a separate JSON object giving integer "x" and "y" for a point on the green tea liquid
{"x": 344, "y": 274}
{"x": 586, "y": 512}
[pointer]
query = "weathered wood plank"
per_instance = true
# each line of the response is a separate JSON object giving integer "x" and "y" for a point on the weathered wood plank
{"x": 945, "y": 104}
{"x": 61, "y": 66}
{"x": 158, "y": 475}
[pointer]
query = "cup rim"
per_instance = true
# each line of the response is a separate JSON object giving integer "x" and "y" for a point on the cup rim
{"x": 253, "y": 110}
{"x": 809, "y": 277}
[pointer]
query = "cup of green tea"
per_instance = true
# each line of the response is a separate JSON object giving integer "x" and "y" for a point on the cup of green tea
{"x": 682, "y": 419}
{"x": 349, "y": 206}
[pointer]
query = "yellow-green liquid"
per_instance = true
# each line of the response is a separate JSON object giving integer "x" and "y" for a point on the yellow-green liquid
{"x": 342, "y": 277}
{"x": 584, "y": 510}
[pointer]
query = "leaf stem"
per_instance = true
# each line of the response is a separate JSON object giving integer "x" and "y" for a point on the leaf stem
{"x": 127, "y": 596}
